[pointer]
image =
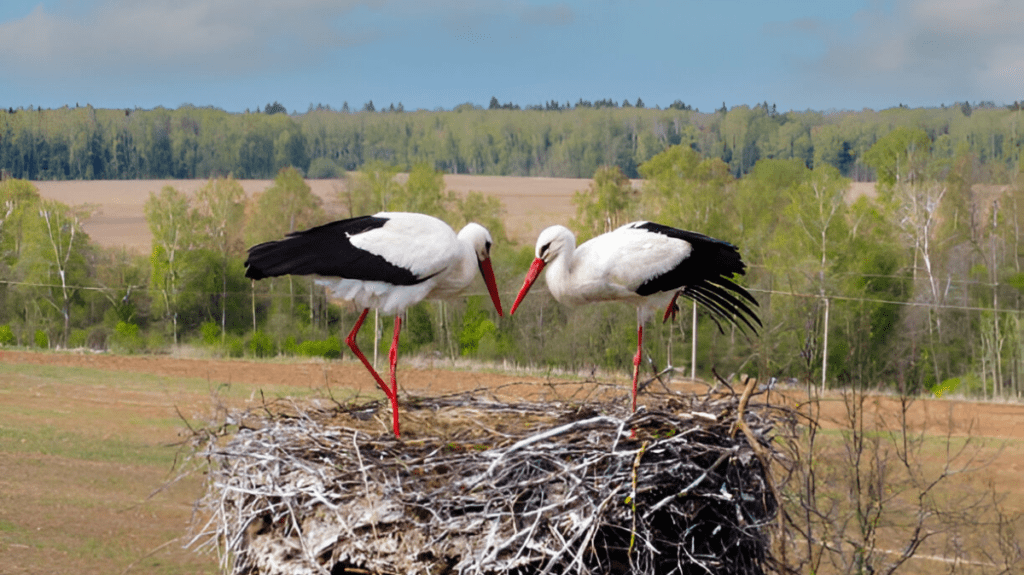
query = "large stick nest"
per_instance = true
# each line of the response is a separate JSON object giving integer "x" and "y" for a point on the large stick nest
{"x": 485, "y": 487}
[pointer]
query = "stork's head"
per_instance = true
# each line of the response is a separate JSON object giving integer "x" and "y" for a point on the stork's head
{"x": 479, "y": 239}
{"x": 551, "y": 243}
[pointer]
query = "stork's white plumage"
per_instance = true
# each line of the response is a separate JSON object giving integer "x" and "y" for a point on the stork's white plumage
{"x": 387, "y": 261}
{"x": 648, "y": 265}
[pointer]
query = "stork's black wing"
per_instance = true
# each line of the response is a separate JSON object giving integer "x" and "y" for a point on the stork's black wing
{"x": 327, "y": 250}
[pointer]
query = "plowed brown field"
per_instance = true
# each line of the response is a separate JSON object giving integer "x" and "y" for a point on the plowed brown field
{"x": 118, "y": 216}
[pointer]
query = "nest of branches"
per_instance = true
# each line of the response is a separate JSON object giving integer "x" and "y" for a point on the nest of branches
{"x": 484, "y": 487}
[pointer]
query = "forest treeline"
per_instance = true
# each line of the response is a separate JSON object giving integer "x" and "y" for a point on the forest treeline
{"x": 917, "y": 287}
{"x": 556, "y": 140}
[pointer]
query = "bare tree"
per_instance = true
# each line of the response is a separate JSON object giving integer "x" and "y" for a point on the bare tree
{"x": 871, "y": 497}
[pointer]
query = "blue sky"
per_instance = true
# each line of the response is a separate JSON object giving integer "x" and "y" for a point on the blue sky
{"x": 238, "y": 54}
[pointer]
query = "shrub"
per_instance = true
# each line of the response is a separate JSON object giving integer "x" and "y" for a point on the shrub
{"x": 475, "y": 325}
{"x": 329, "y": 348}
{"x": 493, "y": 345}
{"x": 290, "y": 347}
{"x": 42, "y": 340}
{"x": 126, "y": 338}
{"x": 210, "y": 332}
{"x": 77, "y": 338}
{"x": 419, "y": 327}
{"x": 321, "y": 168}
{"x": 154, "y": 339}
{"x": 234, "y": 346}
{"x": 261, "y": 345}
{"x": 7, "y": 335}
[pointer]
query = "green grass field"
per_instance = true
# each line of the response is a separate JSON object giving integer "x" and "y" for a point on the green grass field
{"x": 87, "y": 456}
{"x": 91, "y": 457}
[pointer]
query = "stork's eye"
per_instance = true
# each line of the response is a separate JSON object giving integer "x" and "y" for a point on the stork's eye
{"x": 487, "y": 247}
{"x": 544, "y": 250}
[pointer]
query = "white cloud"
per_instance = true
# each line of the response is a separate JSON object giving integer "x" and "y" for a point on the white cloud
{"x": 975, "y": 17}
{"x": 929, "y": 50}
{"x": 133, "y": 39}
{"x": 206, "y": 34}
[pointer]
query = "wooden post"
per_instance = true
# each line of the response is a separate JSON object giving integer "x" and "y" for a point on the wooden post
{"x": 824, "y": 350}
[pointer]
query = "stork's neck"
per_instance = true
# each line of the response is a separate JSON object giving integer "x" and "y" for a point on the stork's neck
{"x": 468, "y": 264}
{"x": 559, "y": 274}
{"x": 459, "y": 274}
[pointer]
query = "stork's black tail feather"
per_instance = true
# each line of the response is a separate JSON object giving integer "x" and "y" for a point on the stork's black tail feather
{"x": 705, "y": 276}
{"x": 724, "y": 304}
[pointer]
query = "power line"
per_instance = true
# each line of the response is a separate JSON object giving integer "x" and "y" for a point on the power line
{"x": 769, "y": 292}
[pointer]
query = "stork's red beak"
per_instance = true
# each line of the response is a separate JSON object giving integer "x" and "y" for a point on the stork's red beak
{"x": 492, "y": 286}
{"x": 531, "y": 276}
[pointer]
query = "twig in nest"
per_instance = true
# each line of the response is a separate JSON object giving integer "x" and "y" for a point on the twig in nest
{"x": 534, "y": 488}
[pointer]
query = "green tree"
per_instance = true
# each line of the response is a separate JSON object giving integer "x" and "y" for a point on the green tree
{"x": 290, "y": 149}
{"x": 57, "y": 261}
{"x": 275, "y": 108}
{"x": 817, "y": 206}
{"x": 683, "y": 190}
{"x": 807, "y": 255}
{"x": 159, "y": 155}
{"x": 423, "y": 192}
{"x": 488, "y": 211}
{"x": 608, "y": 203}
{"x": 18, "y": 199}
{"x": 372, "y": 189}
{"x": 323, "y": 168}
{"x": 219, "y": 214}
{"x": 960, "y": 214}
{"x": 288, "y": 205}
{"x": 174, "y": 230}
{"x": 900, "y": 155}
{"x": 255, "y": 155}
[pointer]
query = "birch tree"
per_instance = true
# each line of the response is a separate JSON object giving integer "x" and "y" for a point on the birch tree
{"x": 608, "y": 203}
{"x": 219, "y": 213}
{"x": 17, "y": 200}
{"x": 424, "y": 192}
{"x": 288, "y": 205}
{"x": 173, "y": 229}
{"x": 916, "y": 208}
{"x": 58, "y": 265}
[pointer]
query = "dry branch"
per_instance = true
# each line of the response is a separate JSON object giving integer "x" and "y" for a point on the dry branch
{"x": 486, "y": 487}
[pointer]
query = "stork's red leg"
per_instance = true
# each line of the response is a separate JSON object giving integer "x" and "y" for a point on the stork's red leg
{"x": 672, "y": 309}
{"x": 636, "y": 360}
{"x": 351, "y": 341}
{"x": 636, "y": 368}
{"x": 393, "y": 359}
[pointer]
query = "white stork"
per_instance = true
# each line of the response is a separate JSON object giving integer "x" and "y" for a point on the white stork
{"x": 648, "y": 265}
{"x": 387, "y": 261}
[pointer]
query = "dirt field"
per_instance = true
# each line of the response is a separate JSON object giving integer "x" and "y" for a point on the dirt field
{"x": 119, "y": 219}
{"x": 531, "y": 204}
{"x": 87, "y": 439}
